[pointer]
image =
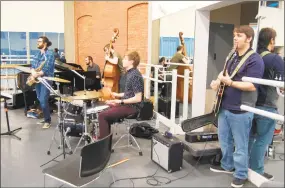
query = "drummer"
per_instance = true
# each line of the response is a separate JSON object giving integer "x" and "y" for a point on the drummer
{"x": 127, "y": 103}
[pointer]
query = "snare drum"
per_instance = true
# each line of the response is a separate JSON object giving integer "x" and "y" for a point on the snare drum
{"x": 97, "y": 109}
{"x": 74, "y": 108}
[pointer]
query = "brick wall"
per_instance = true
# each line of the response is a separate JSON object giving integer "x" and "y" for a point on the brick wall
{"x": 94, "y": 24}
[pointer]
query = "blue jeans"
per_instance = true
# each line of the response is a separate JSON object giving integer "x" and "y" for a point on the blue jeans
{"x": 233, "y": 131}
{"x": 43, "y": 96}
{"x": 260, "y": 139}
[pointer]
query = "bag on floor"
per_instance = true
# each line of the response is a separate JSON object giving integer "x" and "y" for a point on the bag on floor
{"x": 142, "y": 130}
{"x": 146, "y": 112}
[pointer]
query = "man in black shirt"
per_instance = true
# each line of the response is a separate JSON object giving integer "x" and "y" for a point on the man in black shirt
{"x": 127, "y": 103}
{"x": 267, "y": 100}
{"x": 91, "y": 66}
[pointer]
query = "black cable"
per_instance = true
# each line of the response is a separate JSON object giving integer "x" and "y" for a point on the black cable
{"x": 153, "y": 177}
{"x": 196, "y": 165}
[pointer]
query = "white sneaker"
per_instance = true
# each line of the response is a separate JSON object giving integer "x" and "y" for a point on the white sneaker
{"x": 42, "y": 121}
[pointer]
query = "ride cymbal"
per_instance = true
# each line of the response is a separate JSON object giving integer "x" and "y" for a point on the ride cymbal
{"x": 95, "y": 94}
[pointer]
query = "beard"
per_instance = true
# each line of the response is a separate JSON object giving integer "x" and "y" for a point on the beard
{"x": 41, "y": 46}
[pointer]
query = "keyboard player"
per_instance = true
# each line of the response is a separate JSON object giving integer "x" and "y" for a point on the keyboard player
{"x": 91, "y": 66}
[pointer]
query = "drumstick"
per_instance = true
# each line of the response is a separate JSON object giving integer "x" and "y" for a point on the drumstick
{"x": 120, "y": 162}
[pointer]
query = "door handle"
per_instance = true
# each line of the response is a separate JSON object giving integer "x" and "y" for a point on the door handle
{"x": 215, "y": 56}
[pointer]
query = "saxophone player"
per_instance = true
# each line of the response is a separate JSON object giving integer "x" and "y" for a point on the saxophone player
{"x": 47, "y": 70}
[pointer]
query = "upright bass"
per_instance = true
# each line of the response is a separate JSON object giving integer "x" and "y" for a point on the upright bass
{"x": 180, "y": 71}
{"x": 111, "y": 72}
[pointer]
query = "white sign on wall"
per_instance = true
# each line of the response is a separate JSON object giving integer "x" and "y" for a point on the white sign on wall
{"x": 254, "y": 27}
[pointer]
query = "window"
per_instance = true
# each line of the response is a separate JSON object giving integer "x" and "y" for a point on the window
{"x": 18, "y": 43}
{"x": 53, "y": 37}
{"x": 61, "y": 42}
{"x": 35, "y": 35}
{"x": 4, "y": 35}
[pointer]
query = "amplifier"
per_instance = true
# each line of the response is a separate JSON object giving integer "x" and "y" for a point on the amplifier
{"x": 17, "y": 100}
{"x": 164, "y": 105}
{"x": 193, "y": 137}
{"x": 167, "y": 152}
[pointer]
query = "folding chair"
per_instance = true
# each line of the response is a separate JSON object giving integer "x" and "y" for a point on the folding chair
{"x": 80, "y": 170}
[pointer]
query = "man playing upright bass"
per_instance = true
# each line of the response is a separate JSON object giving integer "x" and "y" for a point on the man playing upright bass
{"x": 116, "y": 60}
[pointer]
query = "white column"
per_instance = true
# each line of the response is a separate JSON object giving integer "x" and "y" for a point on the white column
{"x": 148, "y": 69}
{"x": 58, "y": 39}
{"x": 69, "y": 33}
{"x": 9, "y": 45}
{"x": 202, "y": 27}
{"x": 28, "y": 47}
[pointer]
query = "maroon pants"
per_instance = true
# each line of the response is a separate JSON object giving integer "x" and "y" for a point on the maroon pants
{"x": 108, "y": 117}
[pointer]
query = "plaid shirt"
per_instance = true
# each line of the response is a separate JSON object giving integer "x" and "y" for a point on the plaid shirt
{"x": 48, "y": 67}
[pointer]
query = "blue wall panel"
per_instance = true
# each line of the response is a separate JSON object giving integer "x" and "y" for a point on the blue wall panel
{"x": 168, "y": 46}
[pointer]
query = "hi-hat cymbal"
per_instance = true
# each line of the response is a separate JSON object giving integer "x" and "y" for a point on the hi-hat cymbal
{"x": 64, "y": 99}
{"x": 96, "y": 94}
{"x": 57, "y": 79}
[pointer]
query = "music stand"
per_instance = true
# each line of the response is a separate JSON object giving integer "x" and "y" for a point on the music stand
{"x": 91, "y": 82}
{"x": 13, "y": 132}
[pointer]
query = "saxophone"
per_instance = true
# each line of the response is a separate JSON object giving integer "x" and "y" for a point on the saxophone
{"x": 31, "y": 80}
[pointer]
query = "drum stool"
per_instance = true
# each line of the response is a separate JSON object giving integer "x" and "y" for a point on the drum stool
{"x": 131, "y": 138}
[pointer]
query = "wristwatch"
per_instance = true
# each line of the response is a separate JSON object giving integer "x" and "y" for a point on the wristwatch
{"x": 122, "y": 101}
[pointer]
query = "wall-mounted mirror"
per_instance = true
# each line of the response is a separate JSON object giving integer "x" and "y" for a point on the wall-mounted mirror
{"x": 173, "y": 26}
{"x": 222, "y": 23}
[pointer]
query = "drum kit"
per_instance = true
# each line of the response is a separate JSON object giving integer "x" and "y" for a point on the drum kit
{"x": 79, "y": 117}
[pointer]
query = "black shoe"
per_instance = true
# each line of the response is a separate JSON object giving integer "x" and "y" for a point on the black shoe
{"x": 238, "y": 182}
{"x": 220, "y": 169}
{"x": 268, "y": 176}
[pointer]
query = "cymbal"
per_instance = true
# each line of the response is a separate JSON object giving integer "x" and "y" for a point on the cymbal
{"x": 57, "y": 79}
{"x": 96, "y": 94}
{"x": 64, "y": 99}
{"x": 70, "y": 99}
{"x": 83, "y": 97}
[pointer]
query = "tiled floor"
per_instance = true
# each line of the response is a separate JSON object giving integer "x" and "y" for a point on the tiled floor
{"x": 21, "y": 160}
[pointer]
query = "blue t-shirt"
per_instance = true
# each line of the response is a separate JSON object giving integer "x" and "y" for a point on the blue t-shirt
{"x": 233, "y": 98}
{"x": 274, "y": 69}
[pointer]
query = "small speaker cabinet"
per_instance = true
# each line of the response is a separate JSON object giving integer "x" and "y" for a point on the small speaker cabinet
{"x": 167, "y": 152}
